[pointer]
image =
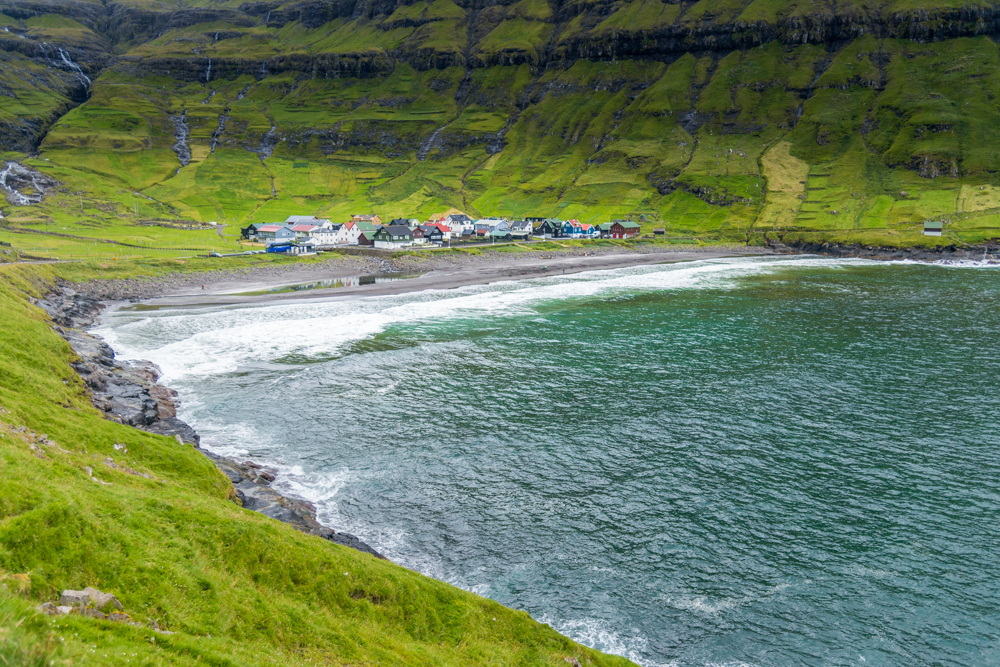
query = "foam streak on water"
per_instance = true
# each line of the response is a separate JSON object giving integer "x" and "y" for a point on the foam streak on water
{"x": 743, "y": 461}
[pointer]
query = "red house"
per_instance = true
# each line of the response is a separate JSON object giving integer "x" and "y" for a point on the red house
{"x": 623, "y": 229}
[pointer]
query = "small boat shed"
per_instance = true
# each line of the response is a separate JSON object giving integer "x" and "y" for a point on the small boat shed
{"x": 933, "y": 227}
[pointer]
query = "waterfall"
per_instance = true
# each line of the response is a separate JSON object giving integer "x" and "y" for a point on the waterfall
{"x": 243, "y": 93}
{"x": 263, "y": 69}
{"x": 14, "y": 195}
{"x": 208, "y": 71}
{"x": 267, "y": 144}
{"x": 72, "y": 66}
{"x": 216, "y": 35}
{"x": 181, "y": 133}
{"x": 218, "y": 131}
{"x": 430, "y": 143}
{"x": 266, "y": 20}
{"x": 14, "y": 171}
{"x": 209, "y": 98}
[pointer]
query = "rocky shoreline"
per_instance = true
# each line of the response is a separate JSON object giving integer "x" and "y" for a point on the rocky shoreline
{"x": 129, "y": 393}
{"x": 985, "y": 252}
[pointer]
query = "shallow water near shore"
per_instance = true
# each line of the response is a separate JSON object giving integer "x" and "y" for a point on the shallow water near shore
{"x": 741, "y": 461}
{"x": 334, "y": 283}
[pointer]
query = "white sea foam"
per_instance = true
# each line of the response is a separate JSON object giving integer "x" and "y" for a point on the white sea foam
{"x": 319, "y": 488}
{"x": 704, "y": 605}
{"x": 953, "y": 263}
{"x": 598, "y": 635}
{"x": 210, "y": 343}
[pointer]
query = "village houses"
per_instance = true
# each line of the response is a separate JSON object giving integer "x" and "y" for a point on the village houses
{"x": 302, "y": 234}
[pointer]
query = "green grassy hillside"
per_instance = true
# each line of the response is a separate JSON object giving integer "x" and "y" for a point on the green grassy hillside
{"x": 805, "y": 121}
{"x": 235, "y": 587}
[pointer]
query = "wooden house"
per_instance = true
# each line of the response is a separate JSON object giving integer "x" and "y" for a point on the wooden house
{"x": 624, "y": 229}
{"x": 395, "y": 236}
{"x": 550, "y": 228}
{"x": 432, "y": 233}
{"x": 369, "y": 218}
{"x": 521, "y": 229}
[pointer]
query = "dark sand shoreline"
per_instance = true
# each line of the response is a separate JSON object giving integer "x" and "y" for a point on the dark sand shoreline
{"x": 442, "y": 273}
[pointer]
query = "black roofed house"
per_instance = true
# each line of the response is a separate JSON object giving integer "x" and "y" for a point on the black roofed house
{"x": 432, "y": 233}
{"x": 393, "y": 236}
{"x": 521, "y": 229}
{"x": 550, "y": 228}
{"x": 460, "y": 224}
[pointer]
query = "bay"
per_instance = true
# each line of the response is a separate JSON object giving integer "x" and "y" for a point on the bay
{"x": 744, "y": 461}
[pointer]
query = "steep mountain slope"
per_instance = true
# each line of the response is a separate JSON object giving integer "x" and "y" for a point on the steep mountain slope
{"x": 841, "y": 120}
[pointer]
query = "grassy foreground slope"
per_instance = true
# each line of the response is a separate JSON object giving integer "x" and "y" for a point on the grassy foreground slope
{"x": 235, "y": 587}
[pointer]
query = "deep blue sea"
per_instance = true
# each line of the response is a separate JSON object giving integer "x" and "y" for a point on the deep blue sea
{"x": 755, "y": 461}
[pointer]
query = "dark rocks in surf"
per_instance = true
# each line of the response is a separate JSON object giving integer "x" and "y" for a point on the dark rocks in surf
{"x": 252, "y": 484}
{"x": 128, "y": 392}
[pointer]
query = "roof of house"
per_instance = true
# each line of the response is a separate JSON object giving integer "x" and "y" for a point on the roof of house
{"x": 399, "y": 221}
{"x": 933, "y": 224}
{"x": 398, "y": 230}
{"x": 269, "y": 228}
{"x": 307, "y": 241}
{"x": 367, "y": 226}
{"x": 628, "y": 224}
{"x": 296, "y": 219}
{"x": 304, "y": 228}
{"x": 366, "y": 217}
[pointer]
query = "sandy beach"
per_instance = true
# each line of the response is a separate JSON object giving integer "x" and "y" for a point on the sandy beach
{"x": 443, "y": 272}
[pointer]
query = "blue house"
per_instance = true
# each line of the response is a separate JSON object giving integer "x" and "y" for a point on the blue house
{"x": 284, "y": 234}
{"x": 570, "y": 229}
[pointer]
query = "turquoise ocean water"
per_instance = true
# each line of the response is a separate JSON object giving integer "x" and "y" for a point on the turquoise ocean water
{"x": 745, "y": 461}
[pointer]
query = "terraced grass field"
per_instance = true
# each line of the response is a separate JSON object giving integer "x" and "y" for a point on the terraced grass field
{"x": 515, "y": 110}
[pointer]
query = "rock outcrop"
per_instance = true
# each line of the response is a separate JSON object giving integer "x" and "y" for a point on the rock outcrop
{"x": 129, "y": 393}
